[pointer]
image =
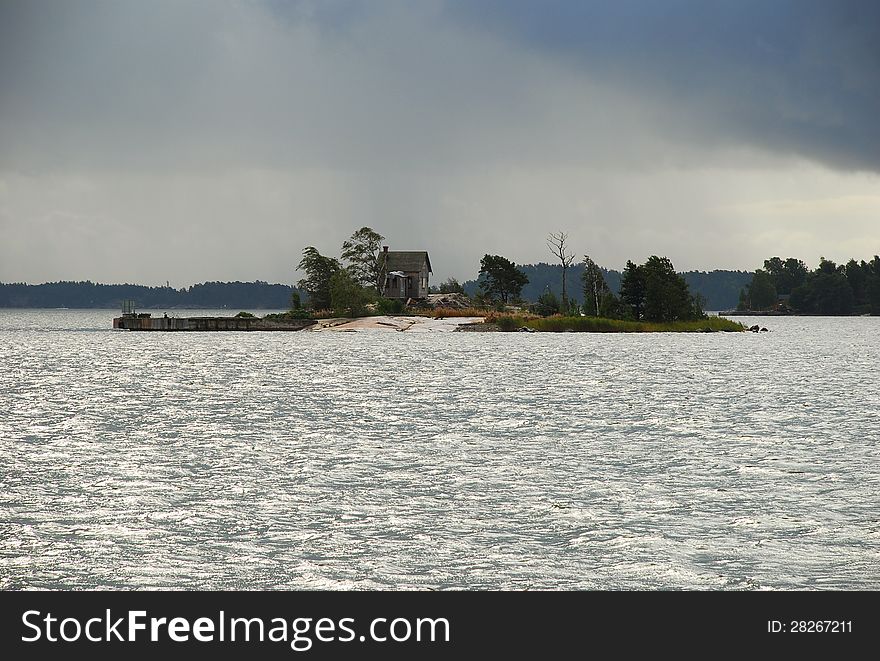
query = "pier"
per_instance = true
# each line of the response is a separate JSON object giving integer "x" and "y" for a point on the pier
{"x": 146, "y": 322}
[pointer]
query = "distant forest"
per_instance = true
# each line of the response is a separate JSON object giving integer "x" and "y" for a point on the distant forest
{"x": 789, "y": 286}
{"x": 239, "y": 295}
{"x": 721, "y": 290}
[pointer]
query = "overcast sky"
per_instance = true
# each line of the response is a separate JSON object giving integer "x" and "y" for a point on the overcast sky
{"x": 145, "y": 141}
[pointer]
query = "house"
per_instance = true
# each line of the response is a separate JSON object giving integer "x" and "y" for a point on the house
{"x": 406, "y": 273}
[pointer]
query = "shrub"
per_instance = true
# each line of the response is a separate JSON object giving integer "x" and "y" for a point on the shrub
{"x": 547, "y": 304}
{"x": 389, "y": 306}
{"x": 300, "y": 313}
{"x": 507, "y": 323}
{"x": 245, "y": 315}
{"x": 558, "y": 324}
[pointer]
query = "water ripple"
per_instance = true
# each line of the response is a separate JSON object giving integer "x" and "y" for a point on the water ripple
{"x": 447, "y": 461}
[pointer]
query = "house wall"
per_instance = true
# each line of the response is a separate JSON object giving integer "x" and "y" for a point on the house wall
{"x": 416, "y": 285}
{"x": 422, "y": 282}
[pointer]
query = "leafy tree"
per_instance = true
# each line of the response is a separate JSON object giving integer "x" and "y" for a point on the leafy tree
{"x": 547, "y": 304}
{"x": 595, "y": 287}
{"x": 762, "y": 292}
{"x": 655, "y": 292}
{"x": 556, "y": 242}
{"x": 502, "y": 279}
{"x": 825, "y": 292}
{"x": 633, "y": 288}
{"x": 361, "y": 252}
{"x": 347, "y": 296}
{"x": 858, "y": 275}
{"x": 785, "y": 275}
{"x": 318, "y": 272}
{"x": 873, "y": 286}
{"x": 610, "y": 306}
{"x": 826, "y": 266}
{"x": 450, "y": 286}
{"x": 667, "y": 297}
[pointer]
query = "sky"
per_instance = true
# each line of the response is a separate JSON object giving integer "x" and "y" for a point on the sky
{"x": 195, "y": 140}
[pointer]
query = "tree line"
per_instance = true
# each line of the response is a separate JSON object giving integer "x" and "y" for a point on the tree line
{"x": 87, "y": 294}
{"x": 352, "y": 284}
{"x": 789, "y": 286}
{"x": 719, "y": 288}
{"x": 652, "y": 291}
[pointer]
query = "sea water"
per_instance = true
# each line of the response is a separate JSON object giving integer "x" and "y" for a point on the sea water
{"x": 388, "y": 460}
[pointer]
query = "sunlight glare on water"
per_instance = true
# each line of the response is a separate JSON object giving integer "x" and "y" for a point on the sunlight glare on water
{"x": 386, "y": 460}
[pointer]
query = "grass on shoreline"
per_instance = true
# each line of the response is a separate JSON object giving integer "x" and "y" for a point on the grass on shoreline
{"x": 554, "y": 324}
{"x": 602, "y": 325}
{"x": 446, "y": 312}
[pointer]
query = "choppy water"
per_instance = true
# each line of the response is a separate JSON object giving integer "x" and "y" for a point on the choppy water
{"x": 458, "y": 460}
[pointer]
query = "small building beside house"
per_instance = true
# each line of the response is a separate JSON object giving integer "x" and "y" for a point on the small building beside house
{"x": 406, "y": 273}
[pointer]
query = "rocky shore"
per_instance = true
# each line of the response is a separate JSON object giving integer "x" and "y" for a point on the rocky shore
{"x": 411, "y": 324}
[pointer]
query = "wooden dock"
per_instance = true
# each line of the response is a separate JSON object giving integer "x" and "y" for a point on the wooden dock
{"x": 146, "y": 322}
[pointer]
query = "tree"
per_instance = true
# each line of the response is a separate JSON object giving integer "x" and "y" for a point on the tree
{"x": 632, "y": 289}
{"x": 450, "y": 286}
{"x": 667, "y": 297}
{"x": 857, "y": 275}
{"x": 556, "y": 243}
{"x": 347, "y": 297}
{"x": 610, "y": 306}
{"x": 655, "y": 292}
{"x": 826, "y": 292}
{"x": 547, "y": 304}
{"x": 762, "y": 292}
{"x": 318, "y": 271}
{"x": 502, "y": 279}
{"x": 785, "y": 275}
{"x": 873, "y": 286}
{"x": 361, "y": 252}
{"x": 595, "y": 287}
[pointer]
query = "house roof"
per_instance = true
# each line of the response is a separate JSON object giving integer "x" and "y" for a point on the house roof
{"x": 405, "y": 260}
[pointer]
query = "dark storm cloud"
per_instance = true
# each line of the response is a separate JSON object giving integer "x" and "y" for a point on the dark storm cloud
{"x": 349, "y": 84}
{"x": 793, "y": 75}
{"x": 221, "y": 137}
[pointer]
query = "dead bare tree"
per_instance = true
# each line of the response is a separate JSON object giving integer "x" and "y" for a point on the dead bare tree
{"x": 556, "y": 242}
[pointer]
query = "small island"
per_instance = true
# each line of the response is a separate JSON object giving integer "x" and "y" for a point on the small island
{"x": 369, "y": 282}
{"x": 373, "y": 287}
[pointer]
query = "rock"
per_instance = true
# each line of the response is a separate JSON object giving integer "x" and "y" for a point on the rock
{"x": 755, "y": 328}
{"x": 477, "y": 327}
{"x": 460, "y": 301}
{"x": 764, "y": 330}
